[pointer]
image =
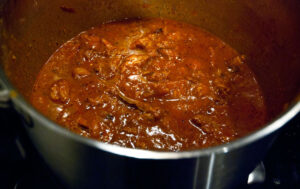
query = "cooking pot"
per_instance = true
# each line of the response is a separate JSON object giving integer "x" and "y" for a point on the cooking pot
{"x": 266, "y": 31}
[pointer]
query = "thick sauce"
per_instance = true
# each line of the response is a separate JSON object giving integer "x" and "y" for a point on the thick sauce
{"x": 153, "y": 84}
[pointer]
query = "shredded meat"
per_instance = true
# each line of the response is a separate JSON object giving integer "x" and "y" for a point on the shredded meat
{"x": 154, "y": 84}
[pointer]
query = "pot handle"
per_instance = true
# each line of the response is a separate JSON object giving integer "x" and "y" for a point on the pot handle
{"x": 4, "y": 96}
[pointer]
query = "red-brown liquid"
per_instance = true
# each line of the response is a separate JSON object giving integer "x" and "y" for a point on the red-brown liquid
{"x": 151, "y": 83}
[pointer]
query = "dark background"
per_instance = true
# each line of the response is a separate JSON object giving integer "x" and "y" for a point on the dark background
{"x": 26, "y": 170}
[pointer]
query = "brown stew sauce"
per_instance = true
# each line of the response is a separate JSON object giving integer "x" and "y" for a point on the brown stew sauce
{"x": 154, "y": 84}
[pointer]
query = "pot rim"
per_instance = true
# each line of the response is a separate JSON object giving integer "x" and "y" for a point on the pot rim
{"x": 269, "y": 128}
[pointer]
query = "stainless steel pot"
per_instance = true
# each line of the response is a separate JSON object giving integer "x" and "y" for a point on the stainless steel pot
{"x": 266, "y": 31}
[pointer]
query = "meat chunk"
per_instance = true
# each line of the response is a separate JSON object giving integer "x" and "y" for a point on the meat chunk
{"x": 135, "y": 59}
{"x": 80, "y": 72}
{"x": 60, "y": 91}
{"x": 133, "y": 63}
{"x": 150, "y": 111}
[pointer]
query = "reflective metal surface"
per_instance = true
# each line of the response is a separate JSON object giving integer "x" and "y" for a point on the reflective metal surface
{"x": 258, "y": 175}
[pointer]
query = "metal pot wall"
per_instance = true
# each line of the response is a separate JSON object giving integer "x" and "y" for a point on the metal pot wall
{"x": 266, "y": 31}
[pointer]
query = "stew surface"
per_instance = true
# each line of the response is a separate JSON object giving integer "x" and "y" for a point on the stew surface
{"x": 153, "y": 84}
